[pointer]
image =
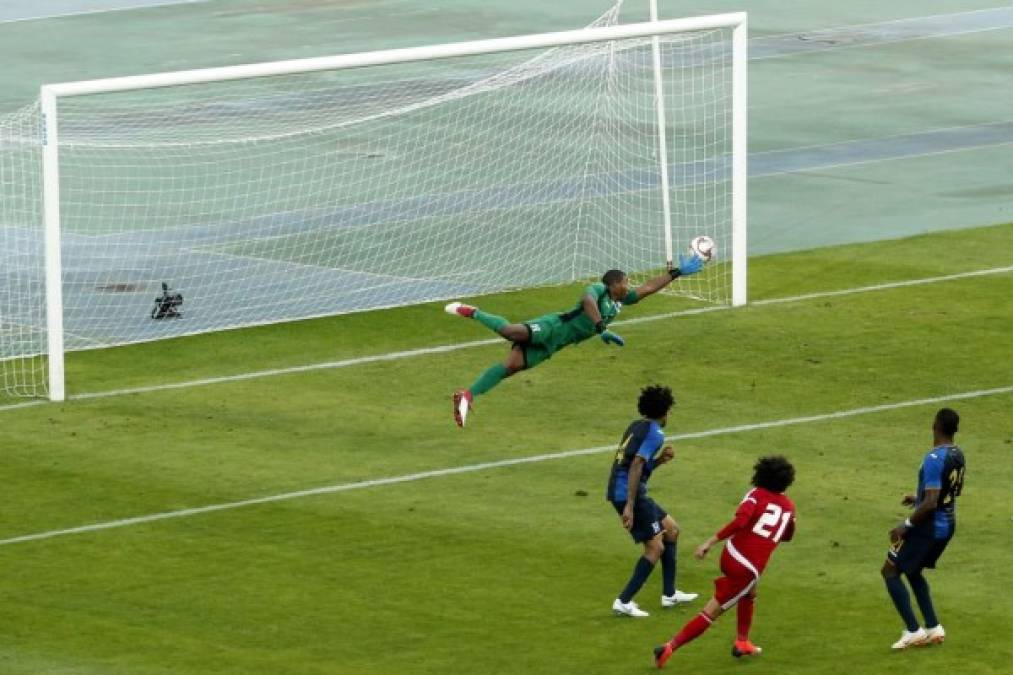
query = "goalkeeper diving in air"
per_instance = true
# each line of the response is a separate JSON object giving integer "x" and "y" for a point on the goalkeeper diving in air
{"x": 537, "y": 340}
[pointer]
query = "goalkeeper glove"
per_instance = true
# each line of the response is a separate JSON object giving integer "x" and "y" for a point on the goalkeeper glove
{"x": 608, "y": 337}
{"x": 688, "y": 264}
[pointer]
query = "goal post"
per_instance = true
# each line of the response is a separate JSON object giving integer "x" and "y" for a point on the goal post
{"x": 740, "y": 158}
{"x": 281, "y": 191}
{"x": 51, "y": 245}
{"x": 659, "y": 106}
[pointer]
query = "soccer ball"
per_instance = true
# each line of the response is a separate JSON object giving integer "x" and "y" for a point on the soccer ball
{"x": 702, "y": 246}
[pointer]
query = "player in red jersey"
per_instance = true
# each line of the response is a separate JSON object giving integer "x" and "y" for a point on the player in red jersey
{"x": 765, "y": 518}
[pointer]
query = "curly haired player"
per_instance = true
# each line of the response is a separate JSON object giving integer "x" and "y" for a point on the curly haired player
{"x": 640, "y": 453}
{"x": 765, "y": 518}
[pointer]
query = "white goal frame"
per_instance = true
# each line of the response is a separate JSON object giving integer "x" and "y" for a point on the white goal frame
{"x": 51, "y": 94}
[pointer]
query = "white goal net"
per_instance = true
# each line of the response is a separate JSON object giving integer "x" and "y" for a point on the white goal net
{"x": 284, "y": 197}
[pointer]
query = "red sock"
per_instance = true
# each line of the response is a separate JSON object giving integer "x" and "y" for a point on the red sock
{"x": 692, "y": 630}
{"x": 745, "y": 614}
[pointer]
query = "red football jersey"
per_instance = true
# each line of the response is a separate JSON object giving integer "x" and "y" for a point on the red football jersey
{"x": 762, "y": 521}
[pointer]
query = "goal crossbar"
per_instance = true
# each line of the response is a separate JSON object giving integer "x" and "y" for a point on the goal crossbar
{"x": 390, "y": 56}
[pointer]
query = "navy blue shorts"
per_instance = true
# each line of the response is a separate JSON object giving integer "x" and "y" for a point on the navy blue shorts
{"x": 916, "y": 551}
{"x": 647, "y": 517}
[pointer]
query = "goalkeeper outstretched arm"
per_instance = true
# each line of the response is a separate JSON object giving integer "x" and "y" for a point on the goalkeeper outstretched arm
{"x": 688, "y": 264}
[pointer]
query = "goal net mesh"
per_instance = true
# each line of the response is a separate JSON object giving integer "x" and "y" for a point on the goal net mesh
{"x": 283, "y": 198}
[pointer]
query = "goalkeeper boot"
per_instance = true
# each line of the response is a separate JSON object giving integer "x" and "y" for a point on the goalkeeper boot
{"x": 462, "y": 406}
{"x": 461, "y": 309}
{"x": 745, "y": 648}
{"x": 676, "y": 598}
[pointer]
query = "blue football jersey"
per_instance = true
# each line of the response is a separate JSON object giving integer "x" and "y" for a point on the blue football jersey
{"x": 642, "y": 438}
{"x": 942, "y": 469}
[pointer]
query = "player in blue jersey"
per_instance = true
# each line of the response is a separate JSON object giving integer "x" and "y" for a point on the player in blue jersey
{"x": 640, "y": 453}
{"x": 918, "y": 542}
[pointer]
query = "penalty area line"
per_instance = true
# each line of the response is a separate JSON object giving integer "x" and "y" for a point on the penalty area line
{"x": 471, "y": 468}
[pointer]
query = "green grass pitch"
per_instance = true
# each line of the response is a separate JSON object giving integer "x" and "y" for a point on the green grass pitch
{"x": 513, "y": 569}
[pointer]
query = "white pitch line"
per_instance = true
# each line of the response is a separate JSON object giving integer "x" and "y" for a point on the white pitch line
{"x": 471, "y": 468}
{"x": 424, "y": 351}
{"x": 891, "y": 284}
{"x": 23, "y": 404}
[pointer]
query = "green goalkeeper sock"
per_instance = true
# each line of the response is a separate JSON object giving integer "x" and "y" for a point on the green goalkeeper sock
{"x": 490, "y": 321}
{"x": 488, "y": 379}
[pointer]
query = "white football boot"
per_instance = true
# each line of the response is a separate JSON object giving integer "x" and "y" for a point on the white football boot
{"x": 462, "y": 406}
{"x": 935, "y": 635}
{"x": 628, "y": 609}
{"x": 677, "y": 597}
{"x": 909, "y": 639}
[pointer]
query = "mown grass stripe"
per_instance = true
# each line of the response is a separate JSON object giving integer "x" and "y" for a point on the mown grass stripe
{"x": 471, "y": 468}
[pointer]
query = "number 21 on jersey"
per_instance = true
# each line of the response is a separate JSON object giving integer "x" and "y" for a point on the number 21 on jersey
{"x": 773, "y": 517}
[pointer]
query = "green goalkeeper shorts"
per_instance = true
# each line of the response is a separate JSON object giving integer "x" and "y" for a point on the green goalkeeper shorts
{"x": 546, "y": 335}
{"x": 533, "y": 355}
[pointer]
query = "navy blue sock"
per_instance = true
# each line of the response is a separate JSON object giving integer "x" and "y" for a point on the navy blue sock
{"x": 640, "y": 573}
{"x": 902, "y": 601}
{"x": 668, "y": 567}
{"x": 920, "y": 587}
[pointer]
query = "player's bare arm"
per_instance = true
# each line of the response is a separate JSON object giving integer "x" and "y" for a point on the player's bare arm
{"x": 636, "y": 469}
{"x": 701, "y": 551}
{"x": 923, "y": 512}
{"x": 667, "y": 453}
{"x": 928, "y": 505}
{"x": 652, "y": 286}
{"x": 741, "y": 519}
{"x": 688, "y": 264}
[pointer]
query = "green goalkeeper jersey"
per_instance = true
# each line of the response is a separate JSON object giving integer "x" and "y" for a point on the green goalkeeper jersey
{"x": 577, "y": 325}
